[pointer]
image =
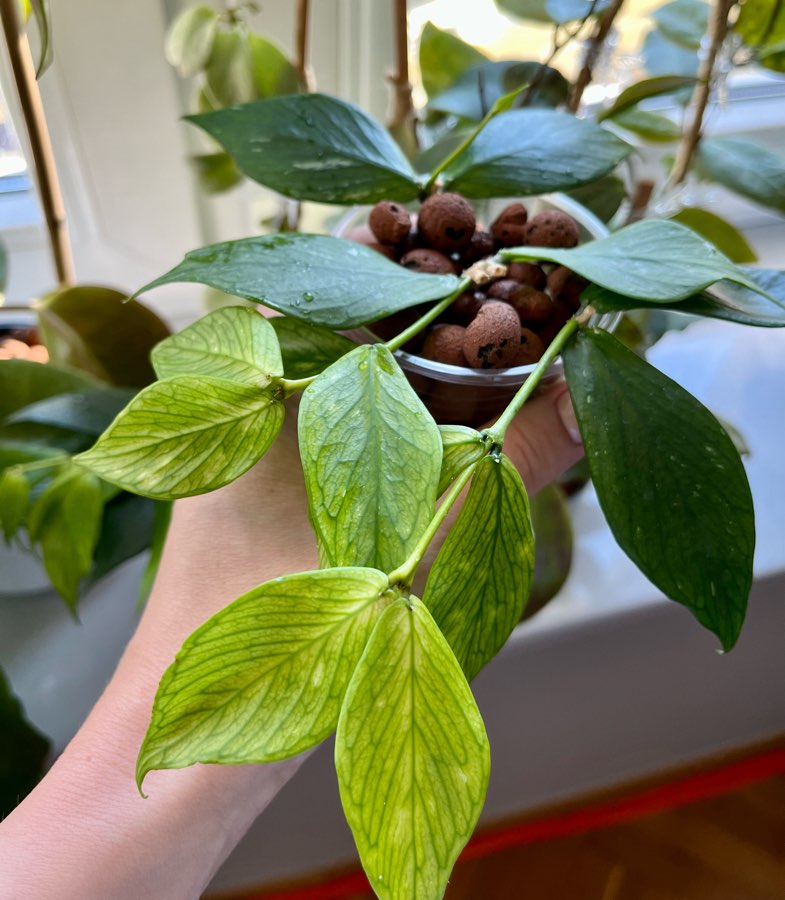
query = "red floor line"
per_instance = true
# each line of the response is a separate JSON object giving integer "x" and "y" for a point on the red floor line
{"x": 689, "y": 789}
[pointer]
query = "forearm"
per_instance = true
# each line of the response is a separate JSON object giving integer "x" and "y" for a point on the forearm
{"x": 85, "y": 832}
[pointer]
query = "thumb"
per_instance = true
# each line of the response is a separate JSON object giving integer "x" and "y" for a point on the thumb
{"x": 543, "y": 441}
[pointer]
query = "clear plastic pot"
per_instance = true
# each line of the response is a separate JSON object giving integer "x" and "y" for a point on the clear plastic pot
{"x": 464, "y": 396}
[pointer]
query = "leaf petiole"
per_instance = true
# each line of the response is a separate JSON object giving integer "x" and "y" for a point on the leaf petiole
{"x": 415, "y": 328}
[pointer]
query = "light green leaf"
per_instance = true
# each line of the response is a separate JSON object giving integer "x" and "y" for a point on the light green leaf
{"x": 602, "y": 197}
{"x": 313, "y": 147}
{"x": 649, "y": 125}
{"x": 761, "y": 23}
{"x": 528, "y": 151}
{"x": 663, "y": 57}
{"x": 235, "y": 343}
{"x": 722, "y": 234}
{"x": 548, "y": 11}
{"x": 371, "y": 456}
{"x": 652, "y": 260}
{"x": 641, "y": 90}
{"x": 185, "y": 436}
{"x": 461, "y": 447}
{"x": 216, "y": 172}
{"x": 15, "y": 453}
{"x": 443, "y": 57}
{"x": 96, "y": 329}
{"x": 272, "y": 72}
{"x": 228, "y": 76}
{"x": 412, "y": 756}
{"x": 552, "y": 546}
{"x": 23, "y": 382}
{"x": 479, "y": 583}
{"x": 23, "y": 751}
{"x": 744, "y": 167}
{"x": 265, "y": 678}
{"x": 533, "y": 10}
{"x": 325, "y": 280}
{"x": 668, "y": 478}
{"x": 307, "y": 349}
{"x": 43, "y": 20}
{"x": 14, "y": 500}
{"x": 683, "y": 21}
{"x": 189, "y": 40}
{"x": 86, "y": 412}
{"x": 66, "y": 521}
{"x": 475, "y": 91}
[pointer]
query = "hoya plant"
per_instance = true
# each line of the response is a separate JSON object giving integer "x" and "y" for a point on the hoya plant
{"x": 349, "y": 648}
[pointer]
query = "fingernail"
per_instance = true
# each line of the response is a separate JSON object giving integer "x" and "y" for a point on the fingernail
{"x": 567, "y": 416}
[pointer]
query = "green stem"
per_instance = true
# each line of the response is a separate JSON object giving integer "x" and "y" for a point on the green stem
{"x": 404, "y": 574}
{"x": 496, "y": 433}
{"x": 49, "y": 463}
{"x": 291, "y": 386}
{"x": 449, "y": 160}
{"x": 407, "y": 334}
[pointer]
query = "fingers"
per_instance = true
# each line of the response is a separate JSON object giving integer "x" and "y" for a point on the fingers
{"x": 544, "y": 441}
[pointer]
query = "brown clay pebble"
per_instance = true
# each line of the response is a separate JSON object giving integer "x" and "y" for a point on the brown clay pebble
{"x": 552, "y": 228}
{"x": 509, "y": 226}
{"x": 554, "y": 323}
{"x": 466, "y": 306}
{"x": 429, "y": 261}
{"x": 566, "y": 285}
{"x": 491, "y": 341}
{"x": 390, "y": 222}
{"x": 530, "y": 304}
{"x": 446, "y": 222}
{"x": 527, "y": 273}
{"x": 385, "y": 249}
{"x": 445, "y": 344}
{"x": 530, "y": 350}
{"x": 481, "y": 246}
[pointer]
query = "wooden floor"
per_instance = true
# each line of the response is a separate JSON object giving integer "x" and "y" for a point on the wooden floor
{"x": 730, "y": 846}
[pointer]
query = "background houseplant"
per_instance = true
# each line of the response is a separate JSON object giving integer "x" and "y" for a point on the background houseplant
{"x": 299, "y": 259}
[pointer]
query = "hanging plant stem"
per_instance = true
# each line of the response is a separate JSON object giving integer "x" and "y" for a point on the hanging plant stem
{"x": 40, "y": 144}
{"x": 402, "y": 112}
{"x": 596, "y": 44}
{"x": 718, "y": 29}
{"x": 301, "y": 43}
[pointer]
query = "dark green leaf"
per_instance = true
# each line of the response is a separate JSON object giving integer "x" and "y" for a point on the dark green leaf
{"x": 371, "y": 456}
{"x": 650, "y": 87}
{"x": 528, "y": 151}
{"x": 23, "y": 751}
{"x": 649, "y": 125}
{"x": 161, "y": 520}
{"x": 95, "y": 329}
{"x": 66, "y": 521}
{"x": 474, "y": 92}
{"x": 265, "y": 678}
{"x": 326, "y": 280}
{"x": 235, "y": 343}
{"x": 411, "y": 755}
{"x": 668, "y": 478}
{"x": 23, "y": 382}
{"x": 552, "y": 546}
{"x": 87, "y": 412}
{"x": 722, "y": 234}
{"x": 723, "y": 300}
{"x": 683, "y": 21}
{"x": 186, "y": 436}
{"x": 307, "y": 349}
{"x": 461, "y": 447}
{"x": 744, "y": 167}
{"x": 663, "y": 57}
{"x": 602, "y": 197}
{"x": 313, "y": 147}
{"x": 216, "y": 172}
{"x": 652, "y": 260}
{"x": 126, "y": 530}
{"x": 443, "y": 57}
{"x": 189, "y": 40}
{"x": 479, "y": 583}
{"x": 14, "y": 500}
{"x": 44, "y": 437}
